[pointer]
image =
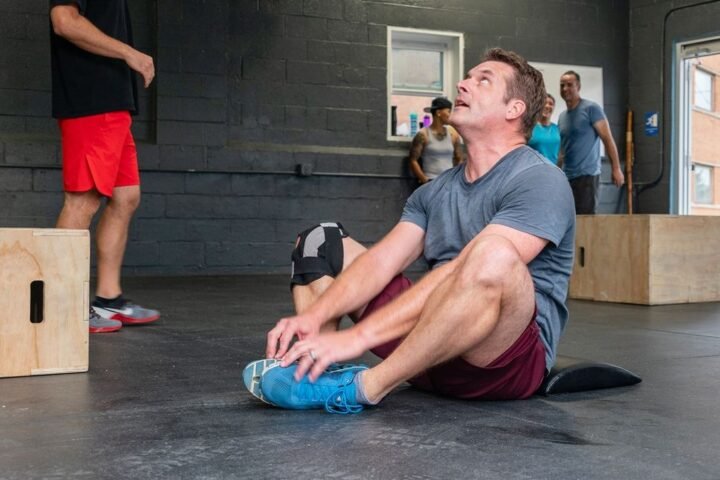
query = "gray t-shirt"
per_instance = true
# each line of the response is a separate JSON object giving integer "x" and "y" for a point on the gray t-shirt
{"x": 579, "y": 139}
{"x": 522, "y": 191}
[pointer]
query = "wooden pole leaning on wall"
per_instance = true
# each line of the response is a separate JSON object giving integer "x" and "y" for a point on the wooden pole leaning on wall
{"x": 629, "y": 149}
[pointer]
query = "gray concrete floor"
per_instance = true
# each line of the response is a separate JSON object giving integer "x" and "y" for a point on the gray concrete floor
{"x": 166, "y": 401}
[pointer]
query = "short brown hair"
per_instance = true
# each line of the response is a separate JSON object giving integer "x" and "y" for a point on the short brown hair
{"x": 526, "y": 84}
{"x": 574, "y": 74}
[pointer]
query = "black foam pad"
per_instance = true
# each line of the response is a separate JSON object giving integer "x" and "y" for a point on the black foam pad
{"x": 577, "y": 375}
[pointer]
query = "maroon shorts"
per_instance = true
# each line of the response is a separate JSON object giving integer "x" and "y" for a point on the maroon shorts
{"x": 515, "y": 374}
{"x": 98, "y": 153}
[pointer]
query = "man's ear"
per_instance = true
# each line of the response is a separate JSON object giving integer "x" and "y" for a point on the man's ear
{"x": 515, "y": 109}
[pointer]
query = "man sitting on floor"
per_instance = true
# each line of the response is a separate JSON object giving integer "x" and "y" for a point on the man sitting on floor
{"x": 484, "y": 323}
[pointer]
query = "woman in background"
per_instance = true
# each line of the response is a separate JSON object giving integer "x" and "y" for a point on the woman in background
{"x": 546, "y": 135}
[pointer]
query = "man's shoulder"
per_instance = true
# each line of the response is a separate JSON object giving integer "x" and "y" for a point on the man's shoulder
{"x": 526, "y": 157}
{"x": 589, "y": 104}
{"x": 562, "y": 118}
{"x": 531, "y": 164}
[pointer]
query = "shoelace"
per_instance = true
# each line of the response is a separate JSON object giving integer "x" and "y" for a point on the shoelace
{"x": 126, "y": 303}
{"x": 333, "y": 396}
{"x": 337, "y": 403}
{"x": 334, "y": 367}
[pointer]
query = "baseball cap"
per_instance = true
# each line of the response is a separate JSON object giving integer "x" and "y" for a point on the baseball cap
{"x": 438, "y": 104}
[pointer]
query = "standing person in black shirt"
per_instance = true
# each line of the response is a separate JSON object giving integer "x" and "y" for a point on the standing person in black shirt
{"x": 94, "y": 94}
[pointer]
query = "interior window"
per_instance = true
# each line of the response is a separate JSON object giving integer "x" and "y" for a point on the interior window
{"x": 423, "y": 64}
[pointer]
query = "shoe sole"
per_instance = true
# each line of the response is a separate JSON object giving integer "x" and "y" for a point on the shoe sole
{"x": 105, "y": 329}
{"x": 134, "y": 321}
{"x": 252, "y": 375}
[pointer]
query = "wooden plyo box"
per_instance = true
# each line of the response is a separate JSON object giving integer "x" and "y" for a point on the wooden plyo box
{"x": 647, "y": 259}
{"x": 44, "y": 279}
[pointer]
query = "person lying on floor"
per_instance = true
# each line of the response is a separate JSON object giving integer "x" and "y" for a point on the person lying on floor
{"x": 484, "y": 323}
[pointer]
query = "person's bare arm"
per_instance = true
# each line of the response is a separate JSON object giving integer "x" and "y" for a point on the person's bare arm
{"x": 69, "y": 24}
{"x": 458, "y": 155}
{"x": 416, "y": 149}
{"x": 602, "y": 127}
{"x": 394, "y": 320}
{"x": 398, "y": 318}
{"x": 354, "y": 287}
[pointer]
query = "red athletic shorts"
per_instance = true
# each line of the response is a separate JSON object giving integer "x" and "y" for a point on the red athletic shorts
{"x": 515, "y": 374}
{"x": 98, "y": 153}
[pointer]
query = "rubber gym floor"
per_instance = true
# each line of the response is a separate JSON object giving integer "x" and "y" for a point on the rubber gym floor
{"x": 167, "y": 401}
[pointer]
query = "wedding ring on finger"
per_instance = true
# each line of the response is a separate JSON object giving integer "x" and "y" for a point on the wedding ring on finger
{"x": 312, "y": 355}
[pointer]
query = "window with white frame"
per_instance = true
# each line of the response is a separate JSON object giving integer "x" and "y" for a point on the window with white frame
{"x": 704, "y": 89}
{"x": 422, "y": 65}
{"x": 703, "y": 184}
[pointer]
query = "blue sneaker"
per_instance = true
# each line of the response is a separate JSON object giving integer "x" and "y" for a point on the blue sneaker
{"x": 334, "y": 390}
{"x": 254, "y": 371}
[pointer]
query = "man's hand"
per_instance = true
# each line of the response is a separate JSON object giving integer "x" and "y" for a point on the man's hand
{"x": 617, "y": 177}
{"x": 279, "y": 338}
{"x": 317, "y": 353}
{"x": 143, "y": 64}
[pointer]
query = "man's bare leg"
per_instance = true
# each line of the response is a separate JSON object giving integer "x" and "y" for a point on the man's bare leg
{"x": 78, "y": 210}
{"x": 111, "y": 238}
{"x": 305, "y": 295}
{"x": 476, "y": 313}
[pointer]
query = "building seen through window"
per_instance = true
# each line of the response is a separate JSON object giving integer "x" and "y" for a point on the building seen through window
{"x": 422, "y": 65}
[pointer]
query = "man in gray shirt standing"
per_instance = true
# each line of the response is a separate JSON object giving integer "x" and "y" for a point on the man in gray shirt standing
{"x": 582, "y": 126}
{"x": 484, "y": 323}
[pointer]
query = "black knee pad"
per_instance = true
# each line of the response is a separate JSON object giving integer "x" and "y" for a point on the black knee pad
{"x": 319, "y": 252}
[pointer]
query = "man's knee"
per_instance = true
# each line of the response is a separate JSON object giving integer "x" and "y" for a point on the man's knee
{"x": 490, "y": 262}
{"x": 125, "y": 201}
{"x": 82, "y": 203}
{"x": 318, "y": 252}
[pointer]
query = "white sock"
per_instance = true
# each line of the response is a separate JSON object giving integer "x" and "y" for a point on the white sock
{"x": 360, "y": 395}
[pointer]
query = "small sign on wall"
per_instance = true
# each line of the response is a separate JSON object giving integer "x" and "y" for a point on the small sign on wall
{"x": 651, "y": 124}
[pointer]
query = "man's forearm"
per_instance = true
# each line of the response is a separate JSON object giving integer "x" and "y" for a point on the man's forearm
{"x": 612, "y": 152}
{"x": 353, "y": 288}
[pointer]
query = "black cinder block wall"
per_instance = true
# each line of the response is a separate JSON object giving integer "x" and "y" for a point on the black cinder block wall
{"x": 249, "y": 92}
{"x": 656, "y": 27}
